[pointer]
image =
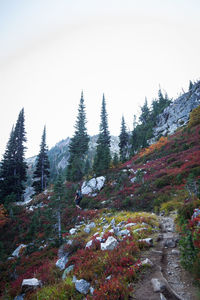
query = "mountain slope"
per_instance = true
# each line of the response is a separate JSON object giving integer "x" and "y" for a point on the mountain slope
{"x": 161, "y": 178}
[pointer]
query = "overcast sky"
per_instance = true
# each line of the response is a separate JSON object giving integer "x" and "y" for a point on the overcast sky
{"x": 51, "y": 50}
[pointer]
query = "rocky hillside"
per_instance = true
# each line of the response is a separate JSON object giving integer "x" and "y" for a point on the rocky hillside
{"x": 109, "y": 246}
{"x": 177, "y": 113}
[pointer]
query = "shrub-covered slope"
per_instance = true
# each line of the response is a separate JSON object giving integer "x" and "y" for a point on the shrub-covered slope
{"x": 163, "y": 177}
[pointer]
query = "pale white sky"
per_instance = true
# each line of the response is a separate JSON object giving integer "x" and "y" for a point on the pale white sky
{"x": 51, "y": 50}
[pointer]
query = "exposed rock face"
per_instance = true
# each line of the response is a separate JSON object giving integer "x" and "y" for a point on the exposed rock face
{"x": 177, "y": 113}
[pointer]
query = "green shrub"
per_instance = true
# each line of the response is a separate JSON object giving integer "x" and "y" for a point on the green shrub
{"x": 163, "y": 181}
{"x": 170, "y": 206}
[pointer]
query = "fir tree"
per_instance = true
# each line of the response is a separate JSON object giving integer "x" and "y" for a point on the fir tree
{"x": 41, "y": 174}
{"x": 190, "y": 85}
{"x": 115, "y": 160}
{"x": 78, "y": 146}
{"x": 102, "y": 157}
{"x": 13, "y": 166}
{"x": 123, "y": 141}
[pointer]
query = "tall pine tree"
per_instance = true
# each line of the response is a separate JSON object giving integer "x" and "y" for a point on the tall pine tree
{"x": 13, "y": 166}
{"x": 41, "y": 174}
{"x": 123, "y": 141}
{"x": 78, "y": 146}
{"x": 102, "y": 157}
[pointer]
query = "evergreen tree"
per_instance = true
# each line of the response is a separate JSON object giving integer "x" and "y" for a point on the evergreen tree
{"x": 145, "y": 112}
{"x": 78, "y": 146}
{"x": 115, "y": 160}
{"x": 123, "y": 141}
{"x": 41, "y": 174}
{"x": 190, "y": 85}
{"x": 102, "y": 157}
{"x": 13, "y": 166}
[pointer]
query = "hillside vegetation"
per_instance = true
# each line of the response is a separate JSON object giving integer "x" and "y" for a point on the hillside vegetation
{"x": 161, "y": 178}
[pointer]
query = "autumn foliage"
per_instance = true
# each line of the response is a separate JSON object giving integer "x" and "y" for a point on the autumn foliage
{"x": 194, "y": 117}
{"x": 3, "y": 216}
{"x": 162, "y": 142}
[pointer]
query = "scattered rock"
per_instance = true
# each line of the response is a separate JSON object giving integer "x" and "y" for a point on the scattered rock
{"x": 149, "y": 241}
{"x": 20, "y": 297}
{"x": 82, "y": 286}
{"x": 140, "y": 229}
{"x": 175, "y": 252}
{"x": 87, "y": 229}
{"x": 91, "y": 290}
{"x": 73, "y": 231}
{"x": 130, "y": 225}
{"x": 112, "y": 223}
{"x": 147, "y": 261}
{"x": 62, "y": 262}
{"x": 124, "y": 232}
{"x": 162, "y": 297}
{"x": 110, "y": 244}
{"x": 30, "y": 284}
{"x": 67, "y": 271}
{"x": 170, "y": 243}
{"x": 18, "y": 249}
{"x": 158, "y": 285}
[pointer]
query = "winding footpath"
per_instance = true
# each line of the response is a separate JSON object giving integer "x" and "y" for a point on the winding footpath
{"x": 165, "y": 279}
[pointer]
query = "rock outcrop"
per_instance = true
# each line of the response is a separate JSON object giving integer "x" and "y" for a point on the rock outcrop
{"x": 177, "y": 113}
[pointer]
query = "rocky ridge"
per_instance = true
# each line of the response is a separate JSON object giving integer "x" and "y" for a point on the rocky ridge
{"x": 177, "y": 113}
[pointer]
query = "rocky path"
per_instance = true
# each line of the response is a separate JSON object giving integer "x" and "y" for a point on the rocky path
{"x": 166, "y": 279}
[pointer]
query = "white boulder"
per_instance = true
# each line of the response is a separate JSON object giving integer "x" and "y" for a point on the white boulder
{"x": 93, "y": 185}
{"x": 110, "y": 244}
{"x": 30, "y": 284}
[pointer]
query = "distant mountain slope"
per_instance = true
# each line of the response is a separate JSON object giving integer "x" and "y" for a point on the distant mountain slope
{"x": 59, "y": 155}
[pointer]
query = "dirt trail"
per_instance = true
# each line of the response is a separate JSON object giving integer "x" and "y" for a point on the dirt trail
{"x": 167, "y": 277}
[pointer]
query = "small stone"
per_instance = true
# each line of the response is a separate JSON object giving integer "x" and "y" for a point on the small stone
{"x": 89, "y": 244}
{"x": 170, "y": 243}
{"x": 62, "y": 262}
{"x": 91, "y": 290}
{"x": 20, "y": 297}
{"x": 112, "y": 223}
{"x": 162, "y": 297}
{"x": 149, "y": 241}
{"x": 175, "y": 252}
{"x": 147, "y": 261}
{"x": 72, "y": 231}
{"x": 158, "y": 285}
{"x": 67, "y": 271}
{"x": 87, "y": 229}
{"x": 140, "y": 229}
{"x": 82, "y": 286}
{"x": 130, "y": 225}
{"x": 123, "y": 232}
